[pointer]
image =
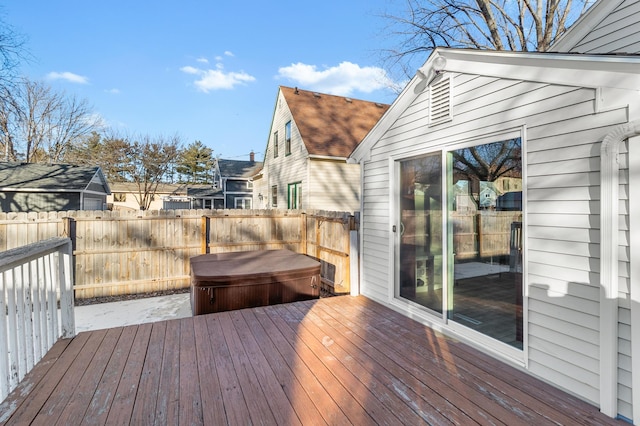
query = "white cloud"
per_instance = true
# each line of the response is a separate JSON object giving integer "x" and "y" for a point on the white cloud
{"x": 228, "y": 53}
{"x": 113, "y": 91}
{"x": 216, "y": 79}
{"x": 96, "y": 119}
{"x": 202, "y": 60}
{"x": 190, "y": 70}
{"x": 340, "y": 80}
{"x": 68, "y": 76}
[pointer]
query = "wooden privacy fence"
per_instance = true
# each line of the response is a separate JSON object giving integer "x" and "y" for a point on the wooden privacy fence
{"x": 143, "y": 251}
{"x": 483, "y": 234}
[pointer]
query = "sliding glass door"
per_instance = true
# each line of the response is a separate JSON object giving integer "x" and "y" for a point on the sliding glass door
{"x": 421, "y": 231}
{"x": 475, "y": 279}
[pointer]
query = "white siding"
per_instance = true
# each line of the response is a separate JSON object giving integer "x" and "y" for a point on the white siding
{"x": 334, "y": 185}
{"x": 619, "y": 32}
{"x": 260, "y": 188}
{"x": 562, "y": 171}
{"x": 285, "y": 169}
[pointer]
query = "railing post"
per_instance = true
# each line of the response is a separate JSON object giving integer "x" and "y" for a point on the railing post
{"x": 65, "y": 277}
{"x": 354, "y": 258}
{"x": 4, "y": 337}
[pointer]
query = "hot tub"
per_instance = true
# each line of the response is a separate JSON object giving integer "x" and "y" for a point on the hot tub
{"x": 236, "y": 280}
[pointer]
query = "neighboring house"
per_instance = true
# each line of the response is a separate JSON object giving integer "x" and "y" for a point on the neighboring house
{"x": 235, "y": 179}
{"x": 34, "y": 187}
{"x": 205, "y": 197}
{"x": 549, "y": 279}
{"x": 168, "y": 196}
{"x": 310, "y": 138}
{"x": 609, "y": 26}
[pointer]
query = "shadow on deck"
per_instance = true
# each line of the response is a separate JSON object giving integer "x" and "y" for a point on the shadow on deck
{"x": 339, "y": 360}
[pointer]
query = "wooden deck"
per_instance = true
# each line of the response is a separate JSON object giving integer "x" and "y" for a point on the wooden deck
{"x": 340, "y": 360}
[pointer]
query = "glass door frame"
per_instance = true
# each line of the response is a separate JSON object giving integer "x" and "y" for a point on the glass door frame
{"x": 440, "y": 320}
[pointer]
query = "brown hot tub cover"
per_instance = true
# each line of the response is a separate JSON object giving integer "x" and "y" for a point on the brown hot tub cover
{"x": 236, "y": 280}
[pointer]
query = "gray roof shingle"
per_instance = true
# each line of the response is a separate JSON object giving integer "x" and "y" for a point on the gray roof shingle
{"x": 46, "y": 177}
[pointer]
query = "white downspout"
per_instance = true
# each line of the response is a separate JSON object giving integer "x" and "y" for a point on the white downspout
{"x": 356, "y": 276}
{"x": 609, "y": 211}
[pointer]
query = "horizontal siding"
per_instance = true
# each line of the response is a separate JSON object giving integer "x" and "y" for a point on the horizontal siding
{"x": 333, "y": 185}
{"x": 617, "y": 33}
{"x": 564, "y": 133}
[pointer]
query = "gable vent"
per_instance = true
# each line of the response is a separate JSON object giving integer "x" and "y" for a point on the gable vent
{"x": 440, "y": 109}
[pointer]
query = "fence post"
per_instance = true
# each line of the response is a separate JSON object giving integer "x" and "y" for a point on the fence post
{"x": 303, "y": 233}
{"x": 478, "y": 235}
{"x": 205, "y": 230}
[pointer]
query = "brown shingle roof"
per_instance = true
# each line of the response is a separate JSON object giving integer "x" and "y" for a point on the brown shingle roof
{"x": 331, "y": 125}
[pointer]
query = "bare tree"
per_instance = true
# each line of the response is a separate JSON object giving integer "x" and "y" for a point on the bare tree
{"x": 519, "y": 25}
{"x": 39, "y": 124}
{"x": 108, "y": 151}
{"x": 8, "y": 124}
{"x": 73, "y": 120}
{"x": 12, "y": 51}
{"x": 151, "y": 160}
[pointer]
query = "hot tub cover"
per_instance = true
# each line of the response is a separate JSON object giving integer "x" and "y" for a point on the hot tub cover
{"x": 235, "y": 280}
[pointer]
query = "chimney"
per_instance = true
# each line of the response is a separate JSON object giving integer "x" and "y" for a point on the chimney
{"x": 252, "y": 156}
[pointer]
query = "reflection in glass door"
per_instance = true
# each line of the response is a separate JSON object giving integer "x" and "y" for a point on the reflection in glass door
{"x": 421, "y": 231}
{"x": 485, "y": 239}
{"x": 483, "y": 256}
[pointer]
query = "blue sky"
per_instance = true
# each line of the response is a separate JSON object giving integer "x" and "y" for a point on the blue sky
{"x": 206, "y": 70}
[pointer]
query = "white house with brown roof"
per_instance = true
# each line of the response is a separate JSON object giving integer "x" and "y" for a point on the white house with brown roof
{"x": 310, "y": 138}
{"x": 549, "y": 279}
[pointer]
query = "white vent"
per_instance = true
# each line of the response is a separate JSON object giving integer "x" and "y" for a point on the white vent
{"x": 440, "y": 101}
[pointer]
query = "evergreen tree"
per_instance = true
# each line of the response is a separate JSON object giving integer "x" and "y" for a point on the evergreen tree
{"x": 195, "y": 164}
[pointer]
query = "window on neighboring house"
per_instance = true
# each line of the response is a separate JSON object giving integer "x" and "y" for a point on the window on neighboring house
{"x": 287, "y": 138}
{"x": 119, "y": 197}
{"x": 242, "y": 203}
{"x": 274, "y": 196}
{"x": 275, "y": 144}
{"x": 294, "y": 196}
{"x": 249, "y": 184}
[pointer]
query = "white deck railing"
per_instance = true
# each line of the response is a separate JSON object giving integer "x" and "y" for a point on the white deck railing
{"x": 33, "y": 279}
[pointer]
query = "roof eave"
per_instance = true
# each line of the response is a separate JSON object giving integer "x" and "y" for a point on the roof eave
{"x": 326, "y": 157}
{"x": 613, "y": 71}
{"x": 569, "y": 69}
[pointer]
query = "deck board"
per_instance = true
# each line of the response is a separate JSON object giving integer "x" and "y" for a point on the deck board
{"x": 166, "y": 411}
{"x": 144, "y": 406}
{"x": 294, "y": 373}
{"x": 210, "y": 391}
{"x": 340, "y": 360}
{"x": 458, "y": 383}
